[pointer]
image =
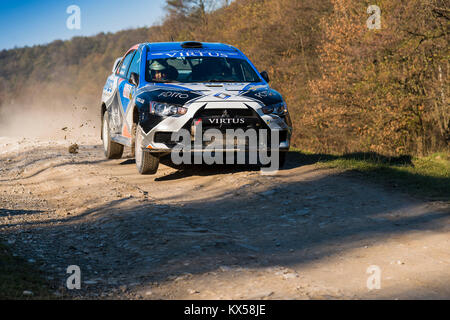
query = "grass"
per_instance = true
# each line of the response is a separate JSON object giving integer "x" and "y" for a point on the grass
{"x": 17, "y": 276}
{"x": 426, "y": 177}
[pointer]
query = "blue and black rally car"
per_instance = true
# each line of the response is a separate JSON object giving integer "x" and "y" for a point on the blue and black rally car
{"x": 157, "y": 89}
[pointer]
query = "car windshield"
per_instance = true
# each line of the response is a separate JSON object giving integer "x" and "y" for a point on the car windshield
{"x": 200, "y": 69}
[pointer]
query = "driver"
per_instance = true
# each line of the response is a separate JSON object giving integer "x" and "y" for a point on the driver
{"x": 158, "y": 71}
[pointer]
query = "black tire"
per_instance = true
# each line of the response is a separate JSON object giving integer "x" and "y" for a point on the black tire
{"x": 133, "y": 138}
{"x": 146, "y": 162}
{"x": 283, "y": 155}
{"x": 113, "y": 150}
{"x": 281, "y": 160}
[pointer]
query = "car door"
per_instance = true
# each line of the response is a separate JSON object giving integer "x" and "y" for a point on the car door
{"x": 128, "y": 92}
{"x": 117, "y": 108}
{"x": 129, "y": 88}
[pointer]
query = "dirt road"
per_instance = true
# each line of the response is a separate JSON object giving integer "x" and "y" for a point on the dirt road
{"x": 204, "y": 232}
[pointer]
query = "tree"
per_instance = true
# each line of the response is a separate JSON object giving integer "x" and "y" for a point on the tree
{"x": 380, "y": 90}
{"x": 192, "y": 7}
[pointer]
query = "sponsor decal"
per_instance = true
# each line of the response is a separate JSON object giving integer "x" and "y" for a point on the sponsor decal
{"x": 257, "y": 87}
{"x": 127, "y": 89}
{"x": 222, "y": 95}
{"x": 190, "y": 53}
{"x": 109, "y": 85}
{"x": 115, "y": 117}
{"x": 173, "y": 94}
{"x": 225, "y": 119}
{"x": 264, "y": 94}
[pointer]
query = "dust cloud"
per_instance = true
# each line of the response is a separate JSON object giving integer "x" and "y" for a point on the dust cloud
{"x": 43, "y": 122}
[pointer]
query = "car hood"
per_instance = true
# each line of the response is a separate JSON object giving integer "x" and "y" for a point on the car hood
{"x": 184, "y": 93}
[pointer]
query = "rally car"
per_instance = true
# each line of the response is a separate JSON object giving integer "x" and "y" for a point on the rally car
{"x": 157, "y": 89}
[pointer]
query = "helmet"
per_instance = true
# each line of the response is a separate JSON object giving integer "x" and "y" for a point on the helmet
{"x": 157, "y": 66}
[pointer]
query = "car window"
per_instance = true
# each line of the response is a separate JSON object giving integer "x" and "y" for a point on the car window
{"x": 200, "y": 69}
{"x": 135, "y": 65}
{"x": 246, "y": 71}
{"x": 122, "y": 69}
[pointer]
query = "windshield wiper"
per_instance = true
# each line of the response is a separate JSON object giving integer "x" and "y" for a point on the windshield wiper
{"x": 218, "y": 80}
{"x": 164, "y": 81}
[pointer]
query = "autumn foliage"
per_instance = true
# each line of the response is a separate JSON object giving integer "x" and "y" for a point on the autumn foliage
{"x": 348, "y": 88}
{"x": 383, "y": 90}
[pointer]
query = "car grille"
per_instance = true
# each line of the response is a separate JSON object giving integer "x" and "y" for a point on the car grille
{"x": 231, "y": 119}
{"x": 223, "y": 119}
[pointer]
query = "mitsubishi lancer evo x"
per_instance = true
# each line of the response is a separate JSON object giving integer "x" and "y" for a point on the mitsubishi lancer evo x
{"x": 161, "y": 92}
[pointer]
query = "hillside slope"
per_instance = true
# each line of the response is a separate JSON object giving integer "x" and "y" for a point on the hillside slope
{"x": 67, "y": 74}
{"x": 348, "y": 88}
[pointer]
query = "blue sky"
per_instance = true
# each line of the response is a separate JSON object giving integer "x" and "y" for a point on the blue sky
{"x": 30, "y": 22}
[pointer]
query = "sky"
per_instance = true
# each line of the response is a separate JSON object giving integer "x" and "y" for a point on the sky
{"x": 31, "y": 22}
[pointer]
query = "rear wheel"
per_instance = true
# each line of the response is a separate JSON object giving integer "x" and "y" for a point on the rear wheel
{"x": 113, "y": 150}
{"x": 146, "y": 162}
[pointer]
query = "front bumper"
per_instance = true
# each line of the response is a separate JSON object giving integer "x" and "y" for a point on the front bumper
{"x": 221, "y": 116}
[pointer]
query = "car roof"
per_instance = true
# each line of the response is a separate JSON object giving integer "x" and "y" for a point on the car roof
{"x": 170, "y": 46}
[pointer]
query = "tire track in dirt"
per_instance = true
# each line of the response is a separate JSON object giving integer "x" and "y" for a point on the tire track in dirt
{"x": 200, "y": 232}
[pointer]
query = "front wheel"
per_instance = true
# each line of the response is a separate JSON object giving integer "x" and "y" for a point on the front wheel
{"x": 283, "y": 155}
{"x": 281, "y": 160}
{"x": 146, "y": 162}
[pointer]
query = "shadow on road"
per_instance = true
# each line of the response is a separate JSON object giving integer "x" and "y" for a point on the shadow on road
{"x": 289, "y": 224}
{"x": 11, "y": 212}
{"x": 294, "y": 224}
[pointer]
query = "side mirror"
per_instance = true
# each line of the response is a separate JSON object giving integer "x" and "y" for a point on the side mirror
{"x": 134, "y": 79}
{"x": 116, "y": 63}
{"x": 265, "y": 76}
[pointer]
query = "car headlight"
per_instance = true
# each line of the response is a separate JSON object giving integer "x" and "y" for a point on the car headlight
{"x": 166, "y": 110}
{"x": 279, "y": 109}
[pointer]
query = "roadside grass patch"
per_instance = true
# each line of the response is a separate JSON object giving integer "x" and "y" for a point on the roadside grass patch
{"x": 17, "y": 276}
{"x": 427, "y": 177}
